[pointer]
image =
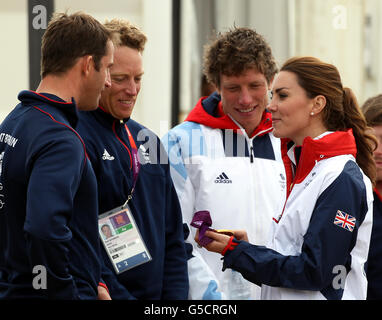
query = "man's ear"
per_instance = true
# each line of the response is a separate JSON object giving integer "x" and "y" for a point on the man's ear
{"x": 319, "y": 103}
{"x": 87, "y": 63}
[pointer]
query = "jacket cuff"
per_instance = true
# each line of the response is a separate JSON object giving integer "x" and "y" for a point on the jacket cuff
{"x": 232, "y": 243}
{"x": 231, "y": 255}
{"x": 104, "y": 286}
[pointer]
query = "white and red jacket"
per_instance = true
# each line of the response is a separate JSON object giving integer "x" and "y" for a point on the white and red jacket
{"x": 240, "y": 180}
{"x": 319, "y": 243}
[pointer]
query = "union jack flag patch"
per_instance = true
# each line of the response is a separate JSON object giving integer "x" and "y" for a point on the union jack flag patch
{"x": 344, "y": 220}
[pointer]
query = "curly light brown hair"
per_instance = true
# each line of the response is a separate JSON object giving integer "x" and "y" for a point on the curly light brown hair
{"x": 124, "y": 33}
{"x": 234, "y": 52}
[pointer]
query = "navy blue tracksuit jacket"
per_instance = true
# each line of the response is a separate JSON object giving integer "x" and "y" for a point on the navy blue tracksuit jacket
{"x": 374, "y": 264}
{"x": 155, "y": 205}
{"x": 48, "y": 208}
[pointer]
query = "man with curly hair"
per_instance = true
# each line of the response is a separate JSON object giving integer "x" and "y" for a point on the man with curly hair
{"x": 124, "y": 157}
{"x": 225, "y": 160}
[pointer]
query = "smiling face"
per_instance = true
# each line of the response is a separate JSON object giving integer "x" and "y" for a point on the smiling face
{"x": 126, "y": 74}
{"x": 244, "y": 97}
{"x": 291, "y": 109}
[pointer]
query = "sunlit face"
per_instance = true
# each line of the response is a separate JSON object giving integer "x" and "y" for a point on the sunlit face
{"x": 97, "y": 80}
{"x": 126, "y": 75}
{"x": 244, "y": 97}
{"x": 378, "y": 152}
{"x": 290, "y": 108}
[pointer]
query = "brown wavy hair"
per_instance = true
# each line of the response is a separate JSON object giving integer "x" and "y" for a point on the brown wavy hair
{"x": 235, "y": 51}
{"x": 342, "y": 111}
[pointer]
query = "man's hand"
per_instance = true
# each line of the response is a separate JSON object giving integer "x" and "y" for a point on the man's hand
{"x": 103, "y": 294}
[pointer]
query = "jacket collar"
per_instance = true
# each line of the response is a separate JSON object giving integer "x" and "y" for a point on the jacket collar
{"x": 106, "y": 116}
{"x": 327, "y": 145}
{"x": 209, "y": 112}
{"x": 377, "y": 195}
{"x": 69, "y": 109}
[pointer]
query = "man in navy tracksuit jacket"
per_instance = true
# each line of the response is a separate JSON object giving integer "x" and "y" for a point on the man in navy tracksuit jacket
{"x": 374, "y": 275}
{"x": 372, "y": 109}
{"x": 49, "y": 242}
{"x": 44, "y": 221}
{"x": 154, "y": 204}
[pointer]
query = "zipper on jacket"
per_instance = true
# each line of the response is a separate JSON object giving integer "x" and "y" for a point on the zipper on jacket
{"x": 295, "y": 171}
{"x": 248, "y": 139}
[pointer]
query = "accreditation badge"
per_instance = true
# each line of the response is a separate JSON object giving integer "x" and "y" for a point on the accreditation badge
{"x": 122, "y": 239}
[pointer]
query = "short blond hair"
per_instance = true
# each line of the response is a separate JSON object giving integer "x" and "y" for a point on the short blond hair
{"x": 124, "y": 33}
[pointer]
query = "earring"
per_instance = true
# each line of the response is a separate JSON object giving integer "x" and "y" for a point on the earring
{"x": 312, "y": 113}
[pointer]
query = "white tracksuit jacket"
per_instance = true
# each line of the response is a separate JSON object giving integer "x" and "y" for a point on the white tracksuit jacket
{"x": 319, "y": 244}
{"x": 241, "y": 181}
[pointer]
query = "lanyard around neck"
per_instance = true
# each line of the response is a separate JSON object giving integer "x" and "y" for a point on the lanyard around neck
{"x": 136, "y": 165}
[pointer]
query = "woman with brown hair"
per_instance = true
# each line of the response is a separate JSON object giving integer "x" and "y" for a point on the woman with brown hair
{"x": 318, "y": 246}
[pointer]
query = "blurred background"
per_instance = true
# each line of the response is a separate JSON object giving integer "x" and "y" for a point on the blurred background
{"x": 346, "y": 33}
